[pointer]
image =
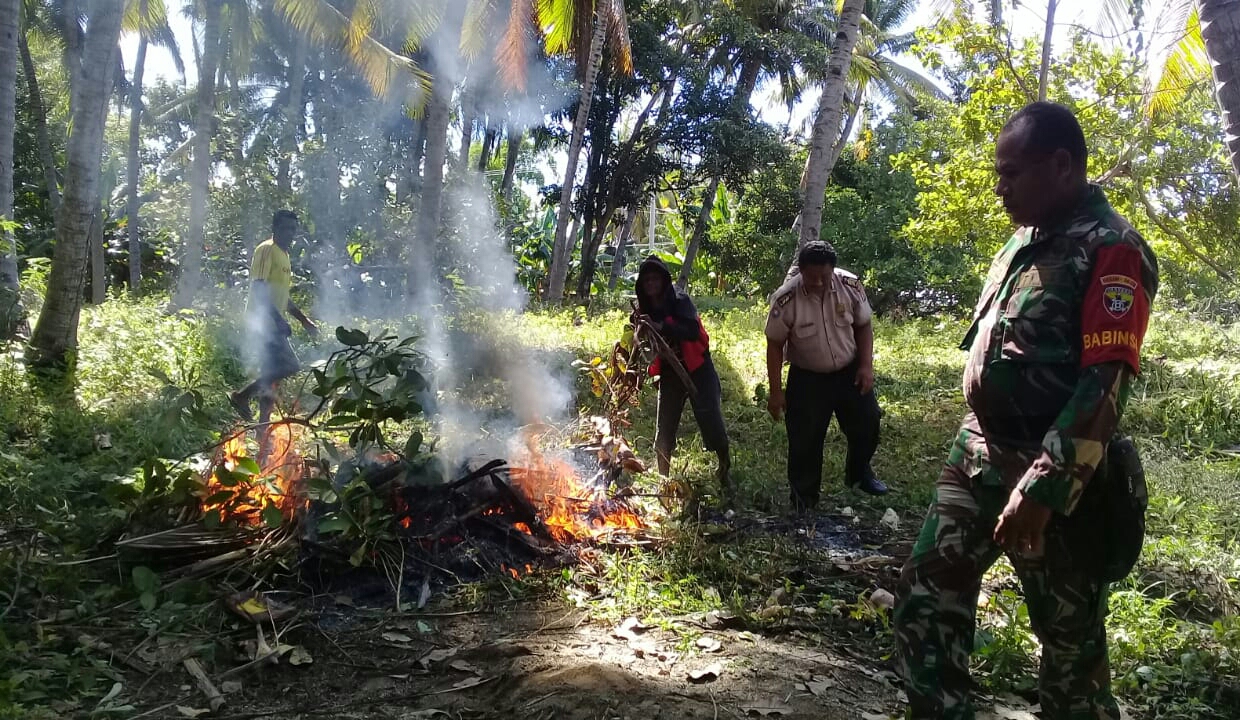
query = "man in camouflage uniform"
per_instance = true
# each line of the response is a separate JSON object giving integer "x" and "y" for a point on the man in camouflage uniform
{"x": 1052, "y": 354}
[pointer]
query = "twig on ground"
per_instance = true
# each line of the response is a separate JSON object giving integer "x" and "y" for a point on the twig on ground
{"x": 215, "y": 699}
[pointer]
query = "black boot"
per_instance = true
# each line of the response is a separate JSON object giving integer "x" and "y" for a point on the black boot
{"x": 868, "y": 483}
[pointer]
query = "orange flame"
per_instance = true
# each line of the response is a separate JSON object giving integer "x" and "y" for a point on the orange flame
{"x": 277, "y": 482}
{"x": 570, "y": 509}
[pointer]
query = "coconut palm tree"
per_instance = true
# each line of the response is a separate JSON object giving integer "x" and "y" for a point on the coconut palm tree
{"x": 582, "y": 26}
{"x": 9, "y": 34}
{"x": 150, "y": 19}
{"x": 91, "y": 68}
{"x": 827, "y": 119}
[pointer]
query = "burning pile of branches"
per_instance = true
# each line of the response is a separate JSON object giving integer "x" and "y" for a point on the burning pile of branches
{"x": 389, "y": 504}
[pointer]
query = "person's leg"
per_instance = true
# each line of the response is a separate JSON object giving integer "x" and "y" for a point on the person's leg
{"x": 669, "y": 407}
{"x": 806, "y": 418}
{"x": 936, "y": 600}
{"x": 859, "y": 417}
{"x": 708, "y": 411}
{"x": 1067, "y": 609}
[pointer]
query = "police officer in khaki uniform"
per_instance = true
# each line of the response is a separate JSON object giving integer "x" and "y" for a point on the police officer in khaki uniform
{"x": 821, "y": 318}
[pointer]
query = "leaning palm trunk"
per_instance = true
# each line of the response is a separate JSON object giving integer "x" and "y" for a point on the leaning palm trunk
{"x": 827, "y": 121}
{"x": 622, "y": 246}
{"x": 1220, "y": 28}
{"x": 38, "y": 113}
{"x": 134, "y": 167}
{"x": 562, "y": 248}
{"x": 55, "y": 335}
{"x": 10, "y": 307}
{"x": 200, "y": 169}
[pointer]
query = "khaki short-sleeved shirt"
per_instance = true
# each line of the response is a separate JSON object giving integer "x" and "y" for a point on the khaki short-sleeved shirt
{"x": 818, "y": 332}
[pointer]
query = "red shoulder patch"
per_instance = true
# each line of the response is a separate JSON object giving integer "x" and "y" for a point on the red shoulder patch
{"x": 1116, "y": 310}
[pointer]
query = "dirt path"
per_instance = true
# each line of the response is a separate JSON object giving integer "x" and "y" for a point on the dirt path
{"x": 550, "y": 662}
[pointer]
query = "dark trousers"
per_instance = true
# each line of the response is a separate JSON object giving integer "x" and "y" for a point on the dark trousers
{"x": 707, "y": 409}
{"x": 812, "y": 399}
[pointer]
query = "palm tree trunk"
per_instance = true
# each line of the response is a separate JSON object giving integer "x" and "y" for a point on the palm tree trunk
{"x": 98, "y": 260}
{"x": 10, "y": 33}
{"x": 515, "y": 139}
{"x": 200, "y": 170}
{"x": 827, "y": 120}
{"x": 435, "y": 123}
{"x": 42, "y": 137}
{"x": 996, "y": 13}
{"x": 838, "y": 148}
{"x": 467, "y": 127}
{"x": 134, "y": 165}
{"x": 744, "y": 90}
{"x": 294, "y": 114}
{"x": 55, "y": 335}
{"x": 488, "y": 142}
{"x": 1220, "y": 28}
{"x": 1047, "y": 36}
{"x": 622, "y": 245}
{"x": 562, "y": 247}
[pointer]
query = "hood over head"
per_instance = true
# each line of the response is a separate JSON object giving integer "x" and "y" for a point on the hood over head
{"x": 653, "y": 264}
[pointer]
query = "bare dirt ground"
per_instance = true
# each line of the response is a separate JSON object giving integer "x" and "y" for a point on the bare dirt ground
{"x": 544, "y": 662}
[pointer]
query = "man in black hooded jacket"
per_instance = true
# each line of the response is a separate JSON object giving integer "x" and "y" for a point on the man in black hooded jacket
{"x": 672, "y": 314}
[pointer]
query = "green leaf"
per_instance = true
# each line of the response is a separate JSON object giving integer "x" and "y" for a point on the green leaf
{"x": 351, "y": 338}
{"x": 414, "y": 443}
{"x": 272, "y": 516}
{"x": 147, "y": 601}
{"x": 247, "y": 466}
{"x": 334, "y": 524}
{"x": 216, "y": 498}
{"x": 358, "y": 556}
{"x": 144, "y": 579}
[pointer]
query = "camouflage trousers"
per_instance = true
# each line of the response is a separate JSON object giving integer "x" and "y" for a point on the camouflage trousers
{"x": 936, "y": 609}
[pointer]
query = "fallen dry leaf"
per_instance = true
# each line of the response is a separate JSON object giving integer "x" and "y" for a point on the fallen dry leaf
{"x": 426, "y": 714}
{"x": 191, "y": 712}
{"x": 767, "y": 709}
{"x": 299, "y": 656}
{"x": 468, "y": 683}
{"x": 436, "y": 656}
{"x": 228, "y": 687}
{"x": 462, "y": 666}
{"x": 396, "y": 637}
{"x": 875, "y": 716}
{"x": 818, "y": 687}
{"x": 709, "y": 644}
{"x": 710, "y": 673}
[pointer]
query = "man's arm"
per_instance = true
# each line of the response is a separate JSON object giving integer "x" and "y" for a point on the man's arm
{"x": 776, "y": 403}
{"x": 1075, "y": 444}
{"x": 301, "y": 318}
{"x": 864, "y": 336}
{"x": 683, "y": 324}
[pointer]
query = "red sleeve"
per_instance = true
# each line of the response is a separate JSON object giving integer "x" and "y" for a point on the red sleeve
{"x": 1116, "y": 311}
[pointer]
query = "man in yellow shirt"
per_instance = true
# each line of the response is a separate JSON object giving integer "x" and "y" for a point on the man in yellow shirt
{"x": 270, "y": 279}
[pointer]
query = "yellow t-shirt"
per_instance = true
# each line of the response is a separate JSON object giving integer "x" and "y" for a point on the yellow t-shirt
{"x": 272, "y": 266}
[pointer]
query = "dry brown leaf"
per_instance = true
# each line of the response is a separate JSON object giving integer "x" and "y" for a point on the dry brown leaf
{"x": 710, "y": 673}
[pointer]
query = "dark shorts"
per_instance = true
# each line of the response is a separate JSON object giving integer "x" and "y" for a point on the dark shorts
{"x": 277, "y": 359}
{"x": 707, "y": 409}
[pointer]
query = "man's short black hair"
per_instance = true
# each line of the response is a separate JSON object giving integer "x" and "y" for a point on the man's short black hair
{"x": 816, "y": 252}
{"x": 1049, "y": 127}
{"x": 283, "y": 215}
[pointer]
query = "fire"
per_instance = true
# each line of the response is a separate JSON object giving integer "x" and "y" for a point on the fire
{"x": 280, "y": 470}
{"x": 571, "y": 509}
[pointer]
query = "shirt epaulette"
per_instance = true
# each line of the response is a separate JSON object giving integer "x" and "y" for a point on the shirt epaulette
{"x": 783, "y": 300}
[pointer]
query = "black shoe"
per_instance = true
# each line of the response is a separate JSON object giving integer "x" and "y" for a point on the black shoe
{"x": 870, "y": 484}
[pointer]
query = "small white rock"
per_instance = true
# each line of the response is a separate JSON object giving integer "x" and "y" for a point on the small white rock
{"x": 890, "y": 520}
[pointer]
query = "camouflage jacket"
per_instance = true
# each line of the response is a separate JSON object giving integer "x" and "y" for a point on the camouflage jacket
{"x": 1053, "y": 348}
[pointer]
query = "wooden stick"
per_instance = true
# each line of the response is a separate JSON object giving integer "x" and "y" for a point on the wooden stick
{"x": 215, "y": 699}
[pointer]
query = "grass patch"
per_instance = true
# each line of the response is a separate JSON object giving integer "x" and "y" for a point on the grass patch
{"x": 1174, "y": 630}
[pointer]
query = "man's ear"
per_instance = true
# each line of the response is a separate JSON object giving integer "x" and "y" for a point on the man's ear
{"x": 1065, "y": 166}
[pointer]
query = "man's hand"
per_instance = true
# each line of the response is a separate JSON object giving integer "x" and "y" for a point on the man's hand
{"x": 865, "y": 379}
{"x": 776, "y": 404}
{"x": 1022, "y": 525}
